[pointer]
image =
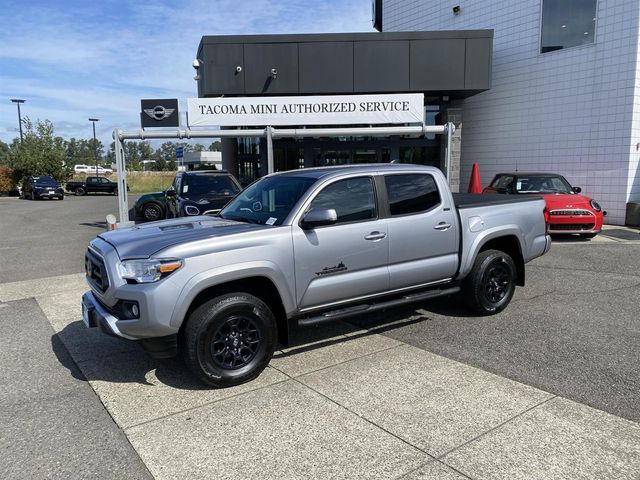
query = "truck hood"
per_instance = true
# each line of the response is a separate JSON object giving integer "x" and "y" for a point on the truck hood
{"x": 142, "y": 241}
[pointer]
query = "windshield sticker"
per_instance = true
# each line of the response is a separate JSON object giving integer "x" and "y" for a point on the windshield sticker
{"x": 271, "y": 221}
{"x": 185, "y": 189}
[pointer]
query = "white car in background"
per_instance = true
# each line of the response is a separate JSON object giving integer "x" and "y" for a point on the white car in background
{"x": 91, "y": 169}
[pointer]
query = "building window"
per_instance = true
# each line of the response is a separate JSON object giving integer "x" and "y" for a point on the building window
{"x": 567, "y": 23}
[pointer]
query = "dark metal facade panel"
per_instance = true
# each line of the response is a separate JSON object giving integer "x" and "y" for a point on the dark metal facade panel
{"x": 261, "y": 59}
{"x": 326, "y": 67}
{"x": 437, "y": 65}
{"x": 220, "y": 63}
{"x": 477, "y": 68}
{"x": 381, "y": 66}
{"x": 455, "y": 63}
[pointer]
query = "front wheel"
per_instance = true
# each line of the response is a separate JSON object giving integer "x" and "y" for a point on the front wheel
{"x": 230, "y": 339}
{"x": 492, "y": 282}
{"x": 152, "y": 211}
{"x": 80, "y": 192}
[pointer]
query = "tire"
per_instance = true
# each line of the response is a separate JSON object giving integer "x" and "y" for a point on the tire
{"x": 114, "y": 191}
{"x": 79, "y": 191}
{"x": 229, "y": 340}
{"x": 587, "y": 235}
{"x": 61, "y": 197}
{"x": 489, "y": 287}
{"x": 152, "y": 211}
{"x": 33, "y": 195}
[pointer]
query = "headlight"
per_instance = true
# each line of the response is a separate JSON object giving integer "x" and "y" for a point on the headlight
{"x": 595, "y": 205}
{"x": 148, "y": 271}
{"x": 191, "y": 210}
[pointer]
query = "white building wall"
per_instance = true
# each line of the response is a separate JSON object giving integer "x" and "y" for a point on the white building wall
{"x": 573, "y": 111}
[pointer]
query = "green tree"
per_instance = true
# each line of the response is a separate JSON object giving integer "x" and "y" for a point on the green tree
{"x": 198, "y": 147}
{"x": 131, "y": 155}
{"x": 4, "y": 153}
{"x": 41, "y": 153}
{"x": 215, "y": 146}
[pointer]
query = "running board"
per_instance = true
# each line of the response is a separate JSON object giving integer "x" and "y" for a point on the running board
{"x": 373, "y": 307}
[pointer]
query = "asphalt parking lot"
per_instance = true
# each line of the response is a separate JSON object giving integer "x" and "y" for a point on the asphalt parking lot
{"x": 549, "y": 388}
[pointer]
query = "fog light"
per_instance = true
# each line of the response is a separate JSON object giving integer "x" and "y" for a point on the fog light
{"x": 134, "y": 310}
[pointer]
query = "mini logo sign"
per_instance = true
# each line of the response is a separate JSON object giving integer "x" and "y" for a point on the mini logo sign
{"x": 159, "y": 113}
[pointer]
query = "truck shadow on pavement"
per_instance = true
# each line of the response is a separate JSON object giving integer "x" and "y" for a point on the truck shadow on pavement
{"x": 92, "y": 356}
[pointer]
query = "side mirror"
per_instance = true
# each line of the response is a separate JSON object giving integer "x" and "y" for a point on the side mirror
{"x": 576, "y": 189}
{"x": 502, "y": 190}
{"x": 171, "y": 192}
{"x": 317, "y": 217}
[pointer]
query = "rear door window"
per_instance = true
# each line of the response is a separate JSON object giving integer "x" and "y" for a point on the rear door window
{"x": 411, "y": 194}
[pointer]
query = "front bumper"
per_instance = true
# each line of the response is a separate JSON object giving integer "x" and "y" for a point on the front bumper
{"x": 94, "y": 314}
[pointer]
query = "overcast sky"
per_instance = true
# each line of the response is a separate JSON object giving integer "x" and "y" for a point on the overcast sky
{"x": 71, "y": 60}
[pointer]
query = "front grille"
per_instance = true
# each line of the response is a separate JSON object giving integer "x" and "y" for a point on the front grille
{"x": 95, "y": 271}
{"x": 571, "y": 226}
{"x": 577, "y": 212}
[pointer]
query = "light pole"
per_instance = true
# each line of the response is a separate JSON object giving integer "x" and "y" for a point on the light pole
{"x": 18, "y": 101}
{"x": 95, "y": 145}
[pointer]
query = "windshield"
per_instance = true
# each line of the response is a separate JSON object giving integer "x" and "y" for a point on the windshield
{"x": 209, "y": 186}
{"x": 268, "y": 201}
{"x": 542, "y": 184}
{"x": 45, "y": 181}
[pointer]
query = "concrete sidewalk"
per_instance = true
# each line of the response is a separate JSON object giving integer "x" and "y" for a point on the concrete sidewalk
{"x": 344, "y": 403}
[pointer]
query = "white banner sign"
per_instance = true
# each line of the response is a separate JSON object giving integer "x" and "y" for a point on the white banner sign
{"x": 309, "y": 110}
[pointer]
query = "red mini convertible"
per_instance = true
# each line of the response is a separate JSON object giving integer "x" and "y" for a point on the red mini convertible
{"x": 569, "y": 212}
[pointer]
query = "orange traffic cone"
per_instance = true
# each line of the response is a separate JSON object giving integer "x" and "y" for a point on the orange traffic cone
{"x": 474, "y": 184}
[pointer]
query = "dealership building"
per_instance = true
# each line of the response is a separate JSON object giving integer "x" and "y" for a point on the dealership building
{"x": 533, "y": 85}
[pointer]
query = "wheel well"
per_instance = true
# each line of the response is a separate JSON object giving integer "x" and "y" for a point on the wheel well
{"x": 510, "y": 246}
{"x": 260, "y": 287}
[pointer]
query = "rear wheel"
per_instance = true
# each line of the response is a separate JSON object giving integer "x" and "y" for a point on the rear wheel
{"x": 230, "y": 339}
{"x": 492, "y": 282}
{"x": 152, "y": 211}
{"x": 80, "y": 191}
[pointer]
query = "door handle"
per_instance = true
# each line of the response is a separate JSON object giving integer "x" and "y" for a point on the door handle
{"x": 442, "y": 226}
{"x": 375, "y": 236}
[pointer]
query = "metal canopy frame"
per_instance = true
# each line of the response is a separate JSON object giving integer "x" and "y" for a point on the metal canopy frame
{"x": 269, "y": 133}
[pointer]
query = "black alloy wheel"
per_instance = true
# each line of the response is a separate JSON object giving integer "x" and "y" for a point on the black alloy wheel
{"x": 235, "y": 343}
{"x": 229, "y": 339}
{"x": 152, "y": 211}
{"x": 80, "y": 191}
{"x": 490, "y": 285}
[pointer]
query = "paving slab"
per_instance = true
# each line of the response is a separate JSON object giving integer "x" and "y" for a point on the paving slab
{"x": 429, "y": 401}
{"x": 136, "y": 388}
{"x": 560, "y": 439}
{"x": 309, "y": 357}
{"x": 280, "y": 432}
{"x": 42, "y": 286}
{"x": 435, "y": 470}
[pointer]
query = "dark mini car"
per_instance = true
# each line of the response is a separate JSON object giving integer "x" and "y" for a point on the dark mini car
{"x": 200, "y": 192}
{"x": 151, "y": 206}
{"x": 569, "y": 211}
{"x": 39, "y": 187}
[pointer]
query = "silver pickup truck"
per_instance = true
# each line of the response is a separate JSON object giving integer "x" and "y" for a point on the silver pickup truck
{"x": 300, "y": 248}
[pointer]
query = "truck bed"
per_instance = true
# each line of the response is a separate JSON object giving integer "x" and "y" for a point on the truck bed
{"x": 471, "y": 200}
